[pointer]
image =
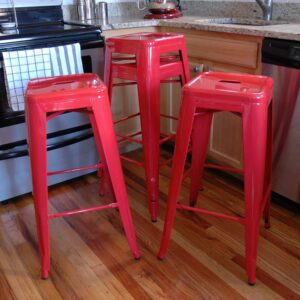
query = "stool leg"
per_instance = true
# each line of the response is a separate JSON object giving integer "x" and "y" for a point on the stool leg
{"x": 254, "y": 139}
{"x": 108, "y": 70}
{"x": 149, "y": 99}
{"x": 268, "y": 177}
{"x": 37, "y": 142}
{"x": 103, "y": 170}
{"x": 108, "y": 82}
{"x": 186, "y": 69}
{"x": 101, "y": 175}
{"x": 107, "y": 139}
{"x": 200, "y": 138}
{"x": 181, "y": 148}
{"x": 266, "y": 214}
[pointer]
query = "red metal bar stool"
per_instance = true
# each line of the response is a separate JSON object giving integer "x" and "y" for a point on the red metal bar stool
{"x": 147, "y": 59}
{"x": 251, "y": 96}
{"x": 47, "y": 98}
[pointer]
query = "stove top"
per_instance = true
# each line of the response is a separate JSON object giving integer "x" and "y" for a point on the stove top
{"x": 45, "y": 27}
{"x": 36, "y": 24}
{"x": 50, "y": 28}
{"x": 41, "y": 27}
{"x": 46, "y": 35}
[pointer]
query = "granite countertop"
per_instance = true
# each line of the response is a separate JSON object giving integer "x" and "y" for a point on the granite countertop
{"x": 288, "y": 31}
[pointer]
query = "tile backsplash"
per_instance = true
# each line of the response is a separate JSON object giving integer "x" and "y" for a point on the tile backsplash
{"x": 282, "y": 9}
{"x": 288, "y": 10}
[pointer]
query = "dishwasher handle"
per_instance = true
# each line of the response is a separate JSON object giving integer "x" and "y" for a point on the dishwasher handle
{"x": 281, "y": 52}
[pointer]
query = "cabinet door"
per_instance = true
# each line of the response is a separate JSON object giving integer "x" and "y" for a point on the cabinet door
{"x": 169, "y": 105}
{"x": 222, "y": 52}
{"x": 225, "y": 145}
{"x": 124, "y": 100}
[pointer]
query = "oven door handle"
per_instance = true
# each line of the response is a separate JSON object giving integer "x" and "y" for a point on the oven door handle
{"x": 70, "y": 141}
{"x": 93, "y": 44}
{"x": 8, "y": 151}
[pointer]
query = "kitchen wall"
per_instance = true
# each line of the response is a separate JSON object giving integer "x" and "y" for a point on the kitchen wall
{"x": 288, "y": 10}
{"x": 120, "y": 1}
{"x": 24, "y": 3}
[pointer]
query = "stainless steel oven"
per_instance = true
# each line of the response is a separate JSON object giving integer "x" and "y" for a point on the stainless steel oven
{"x": 281, "y": 61}
{"x": 70, "y": 142}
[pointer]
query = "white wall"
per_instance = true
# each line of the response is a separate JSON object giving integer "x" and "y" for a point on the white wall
{"x": 116, "y": 1}
{"x": 24, "y": 3}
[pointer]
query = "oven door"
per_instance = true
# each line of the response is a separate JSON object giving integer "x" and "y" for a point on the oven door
{"x": 70, "y": 140}
{"x": 70, "y": 144}
{"x": 92, "y": 55}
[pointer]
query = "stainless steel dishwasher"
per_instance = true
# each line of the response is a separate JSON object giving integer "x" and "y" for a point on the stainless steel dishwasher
{"x": 281, "y": 61}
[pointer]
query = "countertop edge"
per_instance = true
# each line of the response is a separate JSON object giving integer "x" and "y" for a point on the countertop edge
{"x": 288, "y": 31}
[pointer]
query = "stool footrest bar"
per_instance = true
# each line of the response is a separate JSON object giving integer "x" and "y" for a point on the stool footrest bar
{"x": 186, "y": 174}
{"x": 165, "y": 162}
{"x": 266, "y": 196}
{"x": 170, "y": 80}
{"x": 120, "y": 58}
{"x": 77, "y": 211}
{"x": 169, "y": 137}
{"x": 124, "y": 83}
{"x": 169, "y": 117}
{"x": 133, "y": 161}
{"x": 129, "y": 137}
{"x": 126, "y": 118}
{"x": 210, "y": 213}
{"x": 96, "y": 166}
{"x": 211, "y": 166}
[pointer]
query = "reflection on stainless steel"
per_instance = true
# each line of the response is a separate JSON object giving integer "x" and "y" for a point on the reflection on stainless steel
{"x": 240, "y": 21}
{"x": 90, "y": 9}
{"x": 8, "y": 16}
{"x": 80, "y": 10}
{"x": 70, "y": 140}
{"x": 286, "y": 146}
{"x": 102, "y": 12}
{"x": 10, "y": 31}
{"x": 86, "y": 9}
{"x": 267, "y": 8}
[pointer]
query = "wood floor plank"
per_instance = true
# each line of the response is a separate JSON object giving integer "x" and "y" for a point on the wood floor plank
{"x": 6, "y": 290}
{"x": 100, "y": 240}
{"x": 11, "y": 264}
{"x": 206, "y": 259}
{"x": 90, "y": 257}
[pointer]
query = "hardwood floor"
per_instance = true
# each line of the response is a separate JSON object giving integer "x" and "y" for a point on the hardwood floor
{"x": 90, "y": 258}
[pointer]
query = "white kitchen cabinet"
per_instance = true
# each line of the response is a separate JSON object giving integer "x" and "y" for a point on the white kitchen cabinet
{"x": 213, "y": 51}
{"x": 125, "y": 99}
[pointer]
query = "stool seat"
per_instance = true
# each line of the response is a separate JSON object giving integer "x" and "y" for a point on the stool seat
{"x": 251, "y": 96}
{"x": 128, "y": 42}
{"x": 147, "y": 59}
{"x": 58, "y": 93}
{"x": 216, "y": 89}
{"x": 129, "y": 71}
{"x": 47, "y": 98}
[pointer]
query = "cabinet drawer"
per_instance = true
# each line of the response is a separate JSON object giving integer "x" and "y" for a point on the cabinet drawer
{"x": 240, "y": 53}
